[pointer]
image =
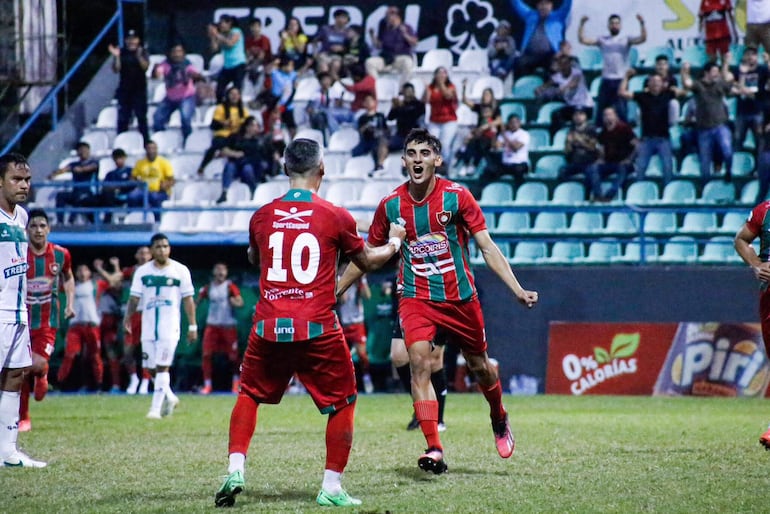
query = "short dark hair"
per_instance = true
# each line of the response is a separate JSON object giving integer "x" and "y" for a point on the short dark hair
{"x": 150, "y": 142}
{"x": 301, "y": 156}
{"x": 322, "y": 75}
{"x": 661, "y": 57}
{"x": 708, "y": 66}
{"x": 11, "y": 158}
{"x": 82, "y": 144}
{"x": 37, "y": 213}
{"x": 613, "y": 17}
{"x": 160, "y": 236}
{"x": 341, "y": 12}
{"x": 256, "y": 21}
{"x": 421, "y": 135}
{"x": 118, "y": 153}
{"x": 513, "y": 115}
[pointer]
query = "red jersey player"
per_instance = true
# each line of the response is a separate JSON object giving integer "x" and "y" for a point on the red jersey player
{"x": 436, "y": 285}
{"x": 758, "y": 225}
{"x": 296, "y": 240}
{"x": 221, "y": 332}
{"x": 49, "y": 273}
{"x": 132, "y": 341}
{"x": 715, "y": 21}
{"x": 108, "y": 300}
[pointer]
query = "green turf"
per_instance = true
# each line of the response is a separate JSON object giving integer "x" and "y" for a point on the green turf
{"x": 585, "y": 454}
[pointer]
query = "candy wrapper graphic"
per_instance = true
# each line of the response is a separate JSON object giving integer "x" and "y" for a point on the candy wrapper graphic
{"x": 715, "y": 359}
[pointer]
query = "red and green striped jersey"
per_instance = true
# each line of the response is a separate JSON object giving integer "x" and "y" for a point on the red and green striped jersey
{"x": 45, "y": 277}
{"x": 299, "y": 237}
{"x": 434, "y": 258}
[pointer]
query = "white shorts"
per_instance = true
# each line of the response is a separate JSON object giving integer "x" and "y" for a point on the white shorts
{"x": 158, "y": 353}
{"x": 15, "y": 347}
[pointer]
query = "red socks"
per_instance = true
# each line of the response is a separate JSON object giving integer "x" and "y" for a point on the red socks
{"x": 426, "y": 412}
{"x": 243, "y": 421}
{"x": 494, "y": 396}
{"x": 339, "y": 438}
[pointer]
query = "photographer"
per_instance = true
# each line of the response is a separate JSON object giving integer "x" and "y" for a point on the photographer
{"x": 131, "y": 62}
{"x": 373, "y": 128}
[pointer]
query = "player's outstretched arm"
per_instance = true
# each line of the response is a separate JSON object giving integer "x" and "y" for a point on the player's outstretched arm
{"x": 371, "y": 258}
{"x": 497, "y": 262}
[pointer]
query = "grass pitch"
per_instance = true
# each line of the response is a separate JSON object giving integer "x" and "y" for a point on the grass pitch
{"x": 573, "y": 454}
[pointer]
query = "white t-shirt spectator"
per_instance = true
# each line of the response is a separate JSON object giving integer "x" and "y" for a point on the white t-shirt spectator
{"x": 758, "y": 11}
{"x": 511, "y": 156}
{"x": 615, "y": 51}
{"x": 577, "y": 95}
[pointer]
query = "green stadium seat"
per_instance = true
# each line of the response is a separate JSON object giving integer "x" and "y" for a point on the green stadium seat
{"x": 560, "y": 139}
{"x": 528, "y": 252}
{"x": 545, "y": 111}
{"x": 717, "y": 250}
{"x": 512, "y": 222}
{"x": 568, "y": 193}
{"x": 602, "y": 251}
{"x": 549, "y": 223}
{"x": 679, "y": 249}
{"x": 566, "y": 252}
{"x": 743, "y": 163}
{"x": 548, "y": 166}
{"x": 524, "y": 87}
{"x": 699, "y": 222}
{"x": 622, "y": 223}
{"x": 750, "y": 191}
{"x": 636, "y": 84}
{"x": 531, "y": 193}
{"x": 586, "y": 222}
{"x": 508, "y": 108}
{"x": 496, "y": 193}
{"x": 590, "y": 58}
{"x": 718, "y": 192}
{"x": 643, "y": 192}
{"x": 690, "y": 166}
{"x": 732, "y": 222}
{"x": 695, "y": 55}
{"x": 678, "y": 192}
{"x": 632, "y": 253}
{"x": 660, "y": 223}
{"x": 539, "y": 139}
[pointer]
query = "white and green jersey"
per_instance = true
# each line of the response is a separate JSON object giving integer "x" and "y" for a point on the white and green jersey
{"x": 160, "y": 292}
{"x": 13, "y": 260}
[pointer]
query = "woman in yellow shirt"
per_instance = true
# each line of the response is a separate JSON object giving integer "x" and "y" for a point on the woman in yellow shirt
{"x": 227, "y": 120}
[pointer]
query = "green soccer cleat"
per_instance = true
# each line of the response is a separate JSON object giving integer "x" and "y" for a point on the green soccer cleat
{"x": 232, "y": 486}
{"x": 343, "y": 499}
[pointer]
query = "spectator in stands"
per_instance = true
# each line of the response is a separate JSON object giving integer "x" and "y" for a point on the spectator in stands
{"x": 615, "y": 50}
{"x": 227, "y": 37}
{"x": 617, "y": 148}
{"x": 654, "y": 105}
{"x": 113, "y": 194}
{"x": 85, "y": 179}
{"x": 480, "y": 140}
{"x": 259, "y": 54}
{"x": 283, "y": 81}
{"x": 358, "y": 51}
{"x": 249, "y": 157}
{"x": 570, "y": 83}
{"x": 158, "y": 175}
{"x": 543, "y": 32}
{"x": 513, "y": 145}
{"x": 581, "y": 149}
{"x": 395, "y": 41}
{"x": 715, "y": 22}
{"x": 373, "y": 129}
{"x": 441, "y": 94}
{"x": 275, "y": 130}
{"x": 664, "y": 71}
{"x": 408, "y": 111}
{"x": 758, "y": 24}
{"x": 293, "y": 44}
{"x": 131, "y": 62}
{"x": 501, "y": 51}
{"x": 228, "y": 117}
{"x": 326, "y": 110}
{"x": 565, "y": 49}
{"x": 364, "y": 84}
{"x": 331, "y": 43}
{"x": 751, "y": 80}
{"x": 179, "y": 76}
{"x": 711, "y": 115}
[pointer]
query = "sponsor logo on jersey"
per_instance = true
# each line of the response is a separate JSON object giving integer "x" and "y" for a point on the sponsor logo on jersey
{"x": 435, "y": 243}
{"x": 12, "y": 271}
{"x": 293, "y": 293}
{"x": 39, "y": 285}
{"x": 444, "y": 217}
{"x": 156, "y": 303}
{"x": 292, "y": 219}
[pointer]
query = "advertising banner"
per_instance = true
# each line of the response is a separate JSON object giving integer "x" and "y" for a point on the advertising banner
{"x": 704, "y": 359}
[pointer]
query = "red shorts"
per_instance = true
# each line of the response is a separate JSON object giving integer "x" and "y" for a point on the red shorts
{"x": 135, "y": 337}
{"x": 43, "y": 341}
{"x": 355, "y": 334}
{"x": 220, "y": 339}
{"x": 463, "y": 321}
{"x": 108, "y": 329}
{"x": 721, "y": 45}
{"x": 322, "y": 364}
{"x": 79, "y": 335}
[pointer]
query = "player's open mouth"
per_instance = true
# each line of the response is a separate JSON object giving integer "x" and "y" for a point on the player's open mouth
{"x": 417, "y": 170}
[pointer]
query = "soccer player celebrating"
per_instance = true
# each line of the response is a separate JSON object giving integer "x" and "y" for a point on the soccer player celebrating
{"x": 83, "y": 333}
{"x": 15, "y": 348}
{"x": 163, "y": 285}
{"x": 436, "y": 285}
{"x": 295, "y": 240}
{"x": 221, "y": 332}
{"x": 49, "y": 272}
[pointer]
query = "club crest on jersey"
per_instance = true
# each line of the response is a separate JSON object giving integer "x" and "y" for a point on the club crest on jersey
{"x": 54, "y": 268}
{"x": 443, "y": 218}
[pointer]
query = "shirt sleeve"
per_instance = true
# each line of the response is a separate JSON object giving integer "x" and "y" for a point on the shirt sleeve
{"x": 136, "y": 284}
{"x": 471, "y": 212}
{"x": 350, "y": 242}
{"x": 203, "y": 293}
{"x": 756, "y": 218}
{"x": 186, "y": 287}
{"x": 379, "y": 229}
{"x": 234, "y": 291}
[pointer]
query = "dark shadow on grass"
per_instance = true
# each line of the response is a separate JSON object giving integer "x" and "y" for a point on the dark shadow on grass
{"x": 416, "y": 473}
